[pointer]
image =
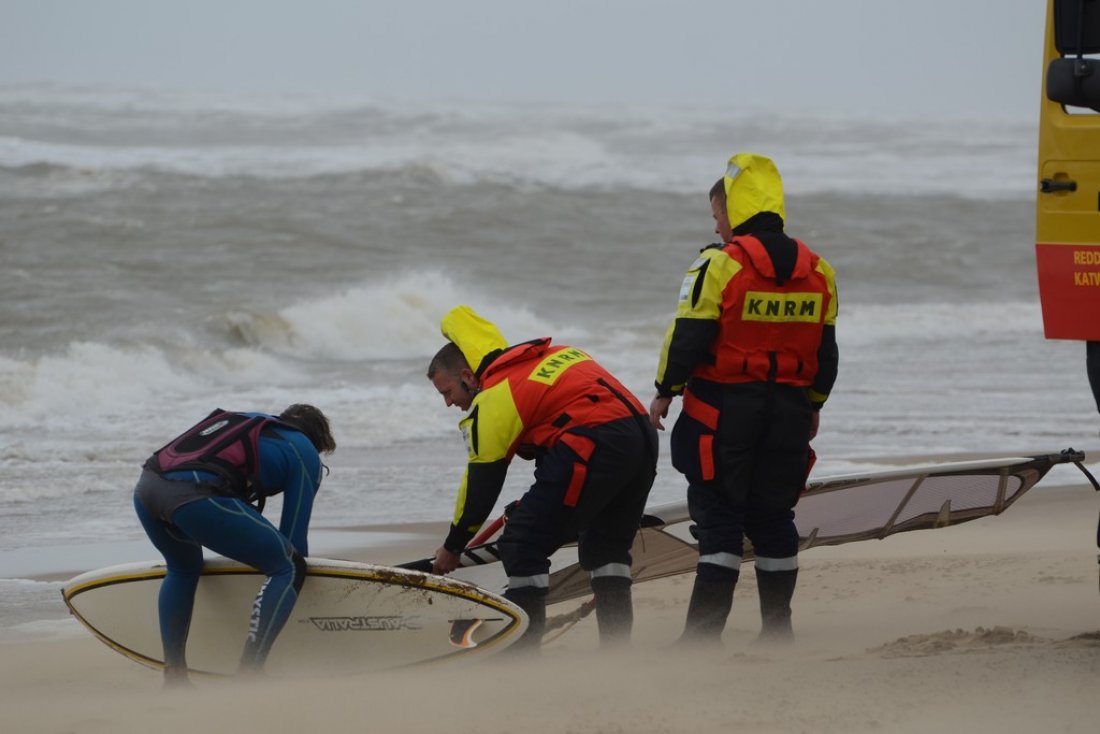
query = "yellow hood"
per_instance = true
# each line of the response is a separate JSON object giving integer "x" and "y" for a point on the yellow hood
{"x": 753, "y": 185}
{"x": 475, "y": 336}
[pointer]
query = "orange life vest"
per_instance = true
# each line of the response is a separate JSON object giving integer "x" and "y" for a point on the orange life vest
{"x": 558, "y": 389}
{"x": 769, "y": 332}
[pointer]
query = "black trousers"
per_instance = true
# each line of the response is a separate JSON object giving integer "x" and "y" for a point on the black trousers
{"x": 760, "y": 454}
{"x": 618, "y": 476}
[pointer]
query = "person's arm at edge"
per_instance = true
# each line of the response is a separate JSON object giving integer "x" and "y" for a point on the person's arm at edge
{"x": 690, "y": 336}
{"x": 302, "y": 478}
{"x": 828, "y": 354}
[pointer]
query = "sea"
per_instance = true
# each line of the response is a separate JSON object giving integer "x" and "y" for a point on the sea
{"x": 167, "y": 252}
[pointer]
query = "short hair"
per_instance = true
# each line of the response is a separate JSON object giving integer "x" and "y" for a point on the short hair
{"x": 718, "y": 190}
{"x": 450, "y": 359}
{"x": 313, "y": 423}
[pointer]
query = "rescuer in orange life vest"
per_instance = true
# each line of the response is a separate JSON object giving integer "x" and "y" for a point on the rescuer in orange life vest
{"x": 595, "y": 459}
{"x": 753, "y": 352}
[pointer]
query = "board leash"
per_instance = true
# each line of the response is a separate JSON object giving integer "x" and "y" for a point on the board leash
{"x": 562, "y": 623}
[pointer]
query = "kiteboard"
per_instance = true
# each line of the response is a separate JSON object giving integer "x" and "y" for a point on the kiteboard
{"x": 831, "y": 511}
{"x": 349, "y": 618}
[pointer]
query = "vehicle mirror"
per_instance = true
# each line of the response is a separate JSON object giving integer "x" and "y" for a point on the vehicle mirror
{"x": 1074, "y": 82}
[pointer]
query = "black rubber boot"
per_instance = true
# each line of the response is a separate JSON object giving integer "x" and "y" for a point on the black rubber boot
{"x": 776, "y": 590}
{"x": 532, "y": 600}
{"x": 614, "y": 610}
{"x": 711, "y": 601}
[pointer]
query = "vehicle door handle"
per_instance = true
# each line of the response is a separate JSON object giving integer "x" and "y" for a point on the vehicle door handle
{"x": 1051, "y": 185}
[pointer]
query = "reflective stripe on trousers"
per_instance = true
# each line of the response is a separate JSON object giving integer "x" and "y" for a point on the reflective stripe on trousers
{"x": 725, "y": 560}
{"x": 539, "y": 581}
{"x": 790, "y": 563}
{"x": 611, "y": 569}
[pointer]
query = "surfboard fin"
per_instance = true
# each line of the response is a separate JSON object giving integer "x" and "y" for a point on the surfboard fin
{"x": 462, "y": 632}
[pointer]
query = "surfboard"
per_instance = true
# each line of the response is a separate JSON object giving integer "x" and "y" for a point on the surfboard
{"x": 350, "y": 617}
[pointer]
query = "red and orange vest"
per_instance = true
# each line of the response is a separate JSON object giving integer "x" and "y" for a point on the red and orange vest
{"x": 557, "y": 389}
{"x": 769, "y": 332}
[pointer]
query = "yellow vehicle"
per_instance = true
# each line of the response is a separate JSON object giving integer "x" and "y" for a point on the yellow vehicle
{"x": 1067, "y": 231}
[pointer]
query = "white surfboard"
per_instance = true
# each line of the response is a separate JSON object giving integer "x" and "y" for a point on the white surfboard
{"x": 350, "y": 617}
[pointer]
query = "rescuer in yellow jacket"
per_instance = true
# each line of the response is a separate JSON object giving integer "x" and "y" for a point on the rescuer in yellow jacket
{"x": 753, "y": 352}
{"x": 595, "y": 459}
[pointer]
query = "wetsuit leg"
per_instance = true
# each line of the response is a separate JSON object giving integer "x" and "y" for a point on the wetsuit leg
{"x": 175, "y": 602}
{"x": 235, "y": 530}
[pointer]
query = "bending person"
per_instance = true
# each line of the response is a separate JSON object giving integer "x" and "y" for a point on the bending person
{"x": 198, "y": 492}
{"x": 595, "y": 459}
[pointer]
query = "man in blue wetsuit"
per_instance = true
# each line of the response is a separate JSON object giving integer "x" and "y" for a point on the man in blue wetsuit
{"x": 199, "y": 490}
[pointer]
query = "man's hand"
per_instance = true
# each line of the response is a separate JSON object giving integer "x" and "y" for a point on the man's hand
{"x": 658, "y": 409}
{"x": 815, "y": 421}
{"x": 444, "y": 562}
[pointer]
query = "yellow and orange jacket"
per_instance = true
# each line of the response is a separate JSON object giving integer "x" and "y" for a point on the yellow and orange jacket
{"x": 734, "y": 324}
{"x": 532, "y": 396}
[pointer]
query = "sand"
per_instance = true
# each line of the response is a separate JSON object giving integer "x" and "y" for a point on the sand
{"x": 990, "y": 626}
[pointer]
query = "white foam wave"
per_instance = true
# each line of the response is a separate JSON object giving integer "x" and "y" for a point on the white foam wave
{"x": 96, "y": 410}
{"x": 395, "y": 319}
{"x": 52, "y": 388}
{"x": 107, "y": 380}
{"x": 554, "y": 159}
{"x": 136, "y": 101}
{"x": 386, "y": 332}
{"x": 575, "y": 148}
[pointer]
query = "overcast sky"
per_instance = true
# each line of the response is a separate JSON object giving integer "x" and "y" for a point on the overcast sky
{"x": 921, "y": 57}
